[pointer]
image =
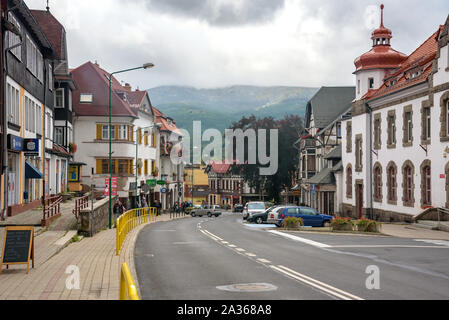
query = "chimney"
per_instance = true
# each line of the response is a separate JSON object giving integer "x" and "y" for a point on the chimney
{"x": 127, "y": 87}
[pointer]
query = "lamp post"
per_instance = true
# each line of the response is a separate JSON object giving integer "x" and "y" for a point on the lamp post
{"x": 109, "y": 77}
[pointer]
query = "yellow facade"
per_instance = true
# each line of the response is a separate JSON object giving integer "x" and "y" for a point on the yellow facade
{"x": 200, "y": 178}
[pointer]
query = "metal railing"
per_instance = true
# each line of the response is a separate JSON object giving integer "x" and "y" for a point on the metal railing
{"x": 52, "y": 207}
{"x": 80, "y": 203}
{"x": 129, "y": 220}
{"x": 128, "y": 290}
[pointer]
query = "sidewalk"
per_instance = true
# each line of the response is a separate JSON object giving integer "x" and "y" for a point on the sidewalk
{"x": 413, "y": 231}
{"x": 99, "y": 268}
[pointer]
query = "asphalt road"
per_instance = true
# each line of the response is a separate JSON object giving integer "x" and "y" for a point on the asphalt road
{"x": 225, "y": 259}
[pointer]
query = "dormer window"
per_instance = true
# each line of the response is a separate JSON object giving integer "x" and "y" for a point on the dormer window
{"x": 370, "y": 83}
{"x": 86, "y": 98}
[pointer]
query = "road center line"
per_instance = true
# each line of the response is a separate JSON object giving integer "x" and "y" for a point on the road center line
{"x": 213, "y": 235}
{"x": 304, "y": 240}
{"x": 317, "y": 284}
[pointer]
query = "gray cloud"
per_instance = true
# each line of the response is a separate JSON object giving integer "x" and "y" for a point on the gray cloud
{"x": 220, "y": 13}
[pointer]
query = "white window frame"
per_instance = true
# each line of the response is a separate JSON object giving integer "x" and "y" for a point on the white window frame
{"x": 59, "y": 136}
{"x": 63, "y": 98}
{"x": 409, "y": 126}
{"x": 83, "y": 97}
{"x": 70, "y": 100}
{"x": 428, "y": 123}
{"x": 105, "y": 132}
{"x": 13, "y": 103}
{"x": 13, "y": 39}
{"x": 123, "y": 132}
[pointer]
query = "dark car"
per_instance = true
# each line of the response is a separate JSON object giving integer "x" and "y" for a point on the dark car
{"x": 261, "y": 217}
{"x": 238, "y": 208}
{"x": 309, "y": 215}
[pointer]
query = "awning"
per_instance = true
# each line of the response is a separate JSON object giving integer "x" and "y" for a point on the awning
{"x": 31, "y": 172}
{"x": 325, "y": 176}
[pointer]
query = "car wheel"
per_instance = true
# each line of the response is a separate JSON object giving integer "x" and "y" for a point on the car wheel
{"x": 193, "y": 214}
{"x": 277, "y": 224}
{"x": 209, "y": 215}
{"x": 326, "y": 224}
{"x": 259, "y": 220}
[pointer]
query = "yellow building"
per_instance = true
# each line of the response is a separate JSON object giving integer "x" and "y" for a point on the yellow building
{"x": 200, "y": 184}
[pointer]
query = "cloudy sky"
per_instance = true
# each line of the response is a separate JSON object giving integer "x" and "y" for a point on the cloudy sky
{"x": 216, "y": 43}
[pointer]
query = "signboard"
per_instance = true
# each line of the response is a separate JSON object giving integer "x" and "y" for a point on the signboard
{"x": 152, "y": 182}
{"x": 161, "y": 182}
{"x": 313, "y": 189}
{"x": 163, "y": 190}
{"x": 113, "y": 188}
{"x": 15, "y": 143}
{"x": 74, "y": 173}
{"x": 442, "y": 176}
{"x": 31, "y": 146}
{"x": 18, "y": 247}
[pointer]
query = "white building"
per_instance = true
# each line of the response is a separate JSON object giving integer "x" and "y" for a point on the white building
{"x": 395, "y": 146}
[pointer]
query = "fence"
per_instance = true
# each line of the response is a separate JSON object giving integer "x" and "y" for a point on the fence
{"x": 128, "y": 289}
{"x": 52, "y": 209}
{"x": 131, "y": 219}
{"x": 80, "y": 203}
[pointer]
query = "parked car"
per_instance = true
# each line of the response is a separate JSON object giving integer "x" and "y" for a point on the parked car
{"x": 190, "y": 208}
{"x": 211, "y": 210}
{"x": 254, "y": 207}
{"x": 309, "y": 215}
{"x": 261, "y": 217}
{"x": 238, "y": 208}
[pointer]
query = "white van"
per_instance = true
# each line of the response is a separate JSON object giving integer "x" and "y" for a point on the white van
{"x": 253, "y": 207}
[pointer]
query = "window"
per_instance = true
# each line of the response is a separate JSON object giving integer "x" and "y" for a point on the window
{"x": 123, "y": 132}
{"x": 35, "y": 61}
{"x": 426, "y": 186}
{"x": 358, "y": 153}
{"x": 13, "y": 105}
{"x": 391, "y": 129}
{"x": 408, "y": 127}
{"x": 105, "y": 166}
{"x": 59, "y": 135}
{"x": 358, "y": 86}
{"x": 391, "y": 183}
{"x": 38, "y": 118}
{"x": 370, "y": 83}
{"x": 349, "y": 182}
{"x": 49, "y": 125}
{"x": 146, "y": 167}
{"x": 377, "y": 183}
{"x": 427, "y": 123}
{"x": 125, "y": 166}
{"x": 86, "y": 98}
{"x": 59, "y": 98}
{"x": 407, "y": 184}
{"x": 349, "y": 136}
{"x": 13, "y": 39}
{"x": 51, "y": 85}
{"x": 377, "y": 131}
{"x": 69, "y": 135}
{"x": 339, "y": 130}
{"x": 105, "y": 132}
{"x": 70, "y": 100}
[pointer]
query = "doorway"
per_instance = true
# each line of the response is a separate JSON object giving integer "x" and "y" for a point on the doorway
{"x": 359, "y": 199}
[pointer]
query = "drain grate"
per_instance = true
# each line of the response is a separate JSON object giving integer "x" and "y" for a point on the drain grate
{"x": 248, "y": 287}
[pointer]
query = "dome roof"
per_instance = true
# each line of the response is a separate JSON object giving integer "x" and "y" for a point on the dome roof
{"x": 381, "y": 56}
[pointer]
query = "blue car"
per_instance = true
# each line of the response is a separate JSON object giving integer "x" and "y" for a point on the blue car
{"x": 309, "y": 215}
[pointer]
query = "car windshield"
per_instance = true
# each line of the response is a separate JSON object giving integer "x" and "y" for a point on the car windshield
{"x": 308, "y": 211}
{"x": 256, "y": 206}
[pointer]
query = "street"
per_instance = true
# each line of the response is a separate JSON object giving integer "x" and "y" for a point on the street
{"x": 223, "y": 258}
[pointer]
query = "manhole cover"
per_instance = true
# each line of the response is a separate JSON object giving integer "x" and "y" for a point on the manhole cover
{"x": 248, "y": 287}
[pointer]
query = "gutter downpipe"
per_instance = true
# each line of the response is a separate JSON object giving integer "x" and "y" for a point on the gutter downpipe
{"x": 5, "y": 113}
{"x": 370, "y": 110}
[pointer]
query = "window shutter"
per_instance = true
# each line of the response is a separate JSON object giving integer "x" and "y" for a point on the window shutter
{"x": 116, "y": 132}
{"x": 116, "y": 166}
{"x": 99, "y": 166}
{"x": 98, "y": 131}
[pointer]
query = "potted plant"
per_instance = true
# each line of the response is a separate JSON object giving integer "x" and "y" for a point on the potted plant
{"x": 367, "y": 225}
{"x": 342, "y": 224}
{"x": 292, "y": 223}
{"x": 72, "y": 147}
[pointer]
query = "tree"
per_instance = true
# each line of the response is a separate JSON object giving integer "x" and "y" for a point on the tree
{"x": 289, "y": 129}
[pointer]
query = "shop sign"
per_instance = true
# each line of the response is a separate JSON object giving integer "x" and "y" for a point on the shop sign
{"x": 15, "y": 143}
{"x": 152, "y": 182}
{"x": 161, "y": 182}
{"x": 74, "y": 172}
{"x": 31, "y": 146}
{"x": 163, "y": 190}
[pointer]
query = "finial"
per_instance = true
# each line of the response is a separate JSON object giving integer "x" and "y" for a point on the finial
{"x": 48, "y": 7}
{"x": 381, "y": 15}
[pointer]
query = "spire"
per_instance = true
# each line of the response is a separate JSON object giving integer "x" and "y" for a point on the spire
{"x": 382, "y": 16}
{"x": 48, "y": 7}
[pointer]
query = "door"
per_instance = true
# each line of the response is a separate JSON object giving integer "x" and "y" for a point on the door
{"x": 359, "y": 200}
{"x": 310, "y": 217}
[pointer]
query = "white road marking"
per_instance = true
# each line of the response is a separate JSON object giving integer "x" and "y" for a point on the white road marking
{"x": 231, "y": 245}
{"x": 240, "y": 249}
{"x": 213, "y": 235}
{"x": 264, "y": 260}
{"x": 250, "y": 254}
{"x": 317, "y": 284}
{"x": 224, "y": 242}
{"x": 438, "y": 242}
{"x": 296, "y": 238}
{"x": 208, "y": 235}
{"x": 388, "y": 246}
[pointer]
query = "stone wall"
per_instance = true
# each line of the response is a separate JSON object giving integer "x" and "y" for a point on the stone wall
{"x": 378, "y": 214}
{"x": 91, "y": 222}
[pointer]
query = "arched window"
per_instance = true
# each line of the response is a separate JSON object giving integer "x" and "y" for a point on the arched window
{"x": 391, "y": 183}
{"x": 377, "y": 182}
{"x": 426, "y": 184}
{"x": 408, "y": 184}
{"x": 349, "y": 182}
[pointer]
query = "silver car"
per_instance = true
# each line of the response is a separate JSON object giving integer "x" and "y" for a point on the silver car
{"x": 213, "y": 210}
{"x": 255, "y": 207}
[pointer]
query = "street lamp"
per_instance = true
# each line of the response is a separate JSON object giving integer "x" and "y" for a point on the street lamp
{"x": 109, "y": 77}
{"x": 158, "y": 125}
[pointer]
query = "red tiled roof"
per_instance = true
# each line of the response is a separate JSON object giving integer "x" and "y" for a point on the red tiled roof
{"x": 135, "y": 98}
{"x": 90, "y": 78}
{"x": 53, "y": 31}
{"x": 220, "y": 167}
{"x": 163, "y": 119}
{"x": 421, "y": 58}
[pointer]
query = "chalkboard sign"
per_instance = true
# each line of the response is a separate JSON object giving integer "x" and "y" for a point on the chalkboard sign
{"x": 18, "y": 246}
